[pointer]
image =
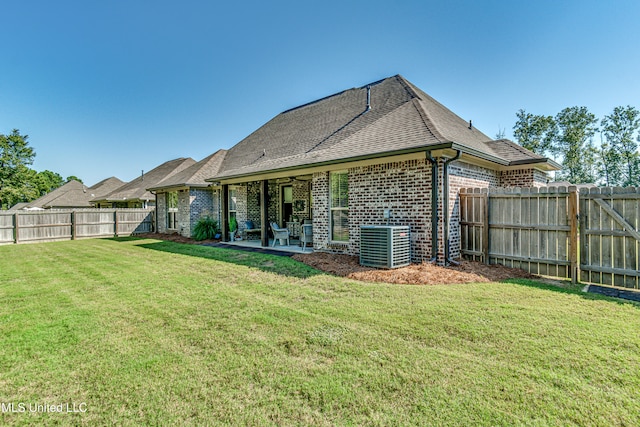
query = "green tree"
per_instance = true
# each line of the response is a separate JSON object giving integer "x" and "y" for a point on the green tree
{"x": 74, "y": 178}
{"x": 573, "y": 141}
{"x": 46, "y": 181}
{"x": 608, "y": 164}
{"x": 15, "y": 157}
{"x": 620, "y": 151}
{"x": 535, "y": 132}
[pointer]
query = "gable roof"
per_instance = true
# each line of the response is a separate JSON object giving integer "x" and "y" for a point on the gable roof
{"x": 341, "y": 127}
{"x": 70, "y": 194}
{"x": 73, "y": 194}
{"x": 18, "y": 206}
{"x": 137, "y": 188}
{"x": 105, "y": 187}
{"x": 194, "y": 175}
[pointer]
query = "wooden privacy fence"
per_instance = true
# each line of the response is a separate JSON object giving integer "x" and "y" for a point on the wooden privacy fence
{"x": 541, "y": 229}
{"x": 527, "y": 228}
{"x": 609, "y": 237}
{"x": 51, "y": 225}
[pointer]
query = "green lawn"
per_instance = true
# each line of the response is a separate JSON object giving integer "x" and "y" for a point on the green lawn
{"x": 151, "y": 332}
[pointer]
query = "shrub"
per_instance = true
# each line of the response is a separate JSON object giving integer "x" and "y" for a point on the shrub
{"x": 206, "y": 228}
{"x": 233, "y": 224}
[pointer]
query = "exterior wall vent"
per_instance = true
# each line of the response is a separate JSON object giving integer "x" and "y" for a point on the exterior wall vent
{"x": 384, "y": 246}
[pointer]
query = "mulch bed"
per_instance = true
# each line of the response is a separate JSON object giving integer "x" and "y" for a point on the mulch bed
{"x": 414, "y": 274}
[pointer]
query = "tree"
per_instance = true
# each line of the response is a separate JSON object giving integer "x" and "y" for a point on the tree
{"x": 573, "y": 140}
{"x": 608, "y": 164}
{"x": 620, "y": 151}
{"x": 46, "y": 181}
{"x": 74, "y": 178}
{"x": 535, "y": 132}
{"x": 15, "y": 157}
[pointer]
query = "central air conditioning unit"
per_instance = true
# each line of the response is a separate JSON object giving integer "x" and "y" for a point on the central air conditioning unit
{"x": 384, "y": 246}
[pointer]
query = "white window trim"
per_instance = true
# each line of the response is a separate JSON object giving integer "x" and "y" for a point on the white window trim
{"x": 332, "y": 209}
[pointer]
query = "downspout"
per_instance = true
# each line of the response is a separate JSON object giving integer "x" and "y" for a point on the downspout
{"x": 445, "y": 204}
{"x": 434, "y": 207}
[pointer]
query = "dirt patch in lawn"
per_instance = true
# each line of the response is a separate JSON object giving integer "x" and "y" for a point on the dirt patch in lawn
{"x": 414, "y": 274}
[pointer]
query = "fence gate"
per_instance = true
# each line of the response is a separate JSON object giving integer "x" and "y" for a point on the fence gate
{"x": 609, "y": 236}
{"x": 534, "y": 229}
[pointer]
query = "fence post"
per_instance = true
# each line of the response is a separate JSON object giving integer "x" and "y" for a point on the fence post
{"x": 16, "y": 230}
{"x": 73, "y": 225}
{"x": 485, "y": 227}
{"x": 573, "y": 233}
{"x": 115, "y": 223}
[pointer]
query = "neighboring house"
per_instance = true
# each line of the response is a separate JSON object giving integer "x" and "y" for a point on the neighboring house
{"x": 134, "y": 193}
{"x": 345, "y": 159}
{"x": 18, "y": 206}
{"x": 72, "y": 194}
{"x": 184, "y": 197}
{"x": 105, "y": 187}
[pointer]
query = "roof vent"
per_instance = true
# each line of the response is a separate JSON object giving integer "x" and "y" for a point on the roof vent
{"x": 470, "y": 125}
{"x": 368, "y": 97}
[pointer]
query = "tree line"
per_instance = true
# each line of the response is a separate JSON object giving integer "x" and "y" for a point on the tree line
{"x": 568, "y": 138}
{"x": 18, "y": 182}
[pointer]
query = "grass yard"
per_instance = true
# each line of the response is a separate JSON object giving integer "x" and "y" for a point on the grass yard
{"x": 140, "y": 331}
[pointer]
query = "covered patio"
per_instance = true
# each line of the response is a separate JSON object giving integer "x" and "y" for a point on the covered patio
{"x": 253, "y": 206}
{"x": 293, "y": 247}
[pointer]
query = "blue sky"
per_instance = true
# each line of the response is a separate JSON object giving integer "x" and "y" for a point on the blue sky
{"x": 115, "y": 87}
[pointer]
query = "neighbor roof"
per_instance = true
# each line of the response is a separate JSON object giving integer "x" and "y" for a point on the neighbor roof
{"x": 71, "y": 194}
{"x": 137, "y": 189}
{"x": 194, "y": 175}
{"x": 74, "y": 194}
{"x": 105, "y": 187}
{"x": 339, "y": 128}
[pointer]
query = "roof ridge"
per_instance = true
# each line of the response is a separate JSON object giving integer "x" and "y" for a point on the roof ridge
{"x": 338, "y": 93}
{"x": 407, "y": 86}
{"x": 429, "y": 124}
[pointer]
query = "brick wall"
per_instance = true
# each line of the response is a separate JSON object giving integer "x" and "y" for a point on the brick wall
{"x": 241, "y": 206}
{"x": 405, "y": 188}
{"x": 320, "y": 194}
{"x": 464, "y": 175}
{"x": 192, "y": 204}
{"x": 183, "y": 217}
{"x": 201, "y": 202}
{"x": 523, "y": 178}
{"x": 161, "y": 212}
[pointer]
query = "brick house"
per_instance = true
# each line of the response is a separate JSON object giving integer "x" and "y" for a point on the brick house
{"x": 134, "y": 194}
{"x": 341, "y": 161}
{"x": 183, "y": 198}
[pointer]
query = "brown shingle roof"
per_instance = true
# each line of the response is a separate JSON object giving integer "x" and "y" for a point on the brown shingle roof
{"x": 105, "y": 187}
{"x": 137, "y": 188}
{"x": 339, "y": 127}
{"x": 74, "y": 194}
{"x": 71, "y": 194}
{"x": 194, "y": 175}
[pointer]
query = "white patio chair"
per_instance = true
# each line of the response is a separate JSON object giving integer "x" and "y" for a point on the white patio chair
{"x": 279, "y": 234}
{"x": 307, "y": 235}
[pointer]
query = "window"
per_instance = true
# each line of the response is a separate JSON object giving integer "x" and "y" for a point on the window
{"x": 339, "y": 206}
{"x": 172, "y": 210}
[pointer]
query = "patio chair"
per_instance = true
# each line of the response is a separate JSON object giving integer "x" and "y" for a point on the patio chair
{"x": 307, "y": 236}
{"x": 250, "y": 230}
{"x": 279, "y": 234}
